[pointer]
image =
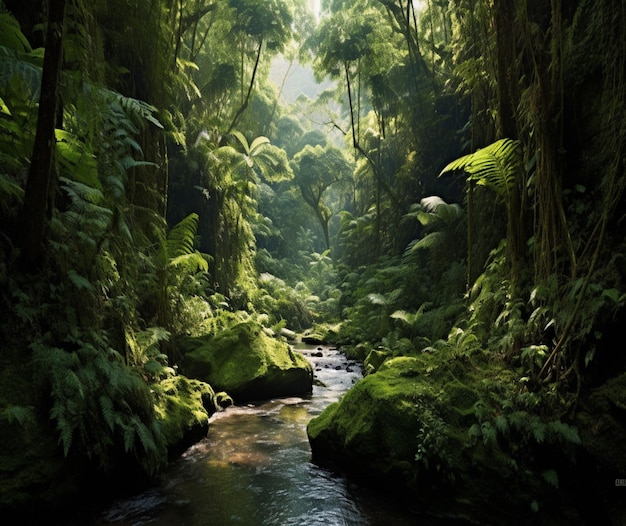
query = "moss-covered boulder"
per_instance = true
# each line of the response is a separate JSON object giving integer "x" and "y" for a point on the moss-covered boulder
{"x": 447, "y": 432}
{"x": 248, "y": 364}
{"x": 183, "y": 407}
{"x": 375, "y": 359}
{"x": 376, "y": 428}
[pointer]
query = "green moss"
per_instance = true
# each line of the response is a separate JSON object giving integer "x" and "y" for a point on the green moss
{"x": 183, "y": 407}
{"x": 375, "y": 359}
{"x": 247, "y": 363}
{"x": 410, "y": 421}
{"x": 377, "y": 421}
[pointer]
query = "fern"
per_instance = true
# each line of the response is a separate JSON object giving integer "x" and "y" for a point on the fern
{"x": 18, "y": 70}
{"x": 22, "y": 415}
{"x": 10, "y": 193}
{"x": 80, "y": 282}
{"x": 551, "y": 477}
{"x": 97, "y": 401}
{"x": 135, "y": 108}
{"x": 495, "y": 166}
{"x": 180, "y": 240}
{"x": 108, "y": 411}
{"x": 562, "y": 432}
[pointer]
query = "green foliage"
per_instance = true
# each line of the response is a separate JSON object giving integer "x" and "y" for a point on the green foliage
{"x": 283, "y": 303}
{"x": 433, "y": 443}
{"x": 181, "y": 280}
{"x": 497, "y": 166}
{"x": 98, "y": 402}
{"x": 22, "y": 415}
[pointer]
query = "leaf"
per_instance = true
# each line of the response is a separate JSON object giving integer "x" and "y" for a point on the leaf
{"x": 401, "y": 315}
{"x": 377, "y": 299}
{"x": 9, "y": 190}
{"x": 258, "y": 143}
{"x": 11, "y": 35}
{"x": 539, "y": 430}
{"x": 106, "y": 405}
{"x": 181, "y": 238}
{"x": 612, "y": 294}
{"x": 502, "y": 424}
{"x": 243, "y": 141}
{"x": 145, "y": 436}
{"x": 564, "y": 432}
{"x": 80, "y": 282}
{"x": 194, "y": 260}
{"x": 551, "y": 477}
{"x": 23, "y": 415}
{"x": 488, "y": 433}
{"x": 495, "y": 166}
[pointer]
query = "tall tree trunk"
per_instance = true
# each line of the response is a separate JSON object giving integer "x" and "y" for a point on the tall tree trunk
{"x": 246, "y": 100}
{"x": 36, "y": 197}
{"x": 504, "y": 19}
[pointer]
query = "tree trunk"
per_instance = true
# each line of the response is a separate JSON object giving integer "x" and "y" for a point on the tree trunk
{"x": 246, "y": 101}
{"x": 36, "y": 197}
{"x": 504, "y": 19}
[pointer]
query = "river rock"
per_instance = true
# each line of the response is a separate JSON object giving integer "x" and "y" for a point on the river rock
{"x": 409, "y": 426}
{"x": 183, "y": 407}
{"x": 248, "y": 364}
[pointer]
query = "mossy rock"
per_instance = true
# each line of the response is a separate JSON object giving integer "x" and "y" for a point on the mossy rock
{"x": 183, "y": 407}
{"x": 375, "y": 359}
{"x": 248, "y": 364}
{"x": 375, "y": 427}
{"x": 406, "y": 427}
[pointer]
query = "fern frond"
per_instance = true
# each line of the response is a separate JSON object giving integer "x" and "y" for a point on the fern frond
{"x": 133, "y": 107}
{"x": 9, "y": 191}
{"x": 145, "y": 436}
{"x": 180, "y": 240}
{"x": 23, "y": 415}
{"x": 108, "y": 412}
{"x": 129, "y": 437}
{"x": 194, "y": 260}
{"x": 80, "y": 282}
{"x": 17, "y": 67}
{"x": 401, "y": 315}
{"x": 377, "y": 299}
{"x": 495, "y": 166}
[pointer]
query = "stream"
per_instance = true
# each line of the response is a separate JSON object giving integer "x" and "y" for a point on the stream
{"x": 254, "y": 469}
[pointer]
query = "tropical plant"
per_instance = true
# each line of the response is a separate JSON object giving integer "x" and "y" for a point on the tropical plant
{"x": 499, "y": 167}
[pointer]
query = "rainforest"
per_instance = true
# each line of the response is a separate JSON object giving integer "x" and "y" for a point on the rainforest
{"x": 203, "y": 200}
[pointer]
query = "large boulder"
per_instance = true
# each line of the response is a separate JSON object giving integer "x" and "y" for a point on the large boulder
{"x": 435, "y": 429}
{"x": 248, "y": 364}
{"x": 183, "y": 407}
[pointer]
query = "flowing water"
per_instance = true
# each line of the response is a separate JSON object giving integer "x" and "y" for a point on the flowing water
{"x": 254, "y": 468}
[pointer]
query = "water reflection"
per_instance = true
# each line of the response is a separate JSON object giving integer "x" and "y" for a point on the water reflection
{"x": 254, "y": 469}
